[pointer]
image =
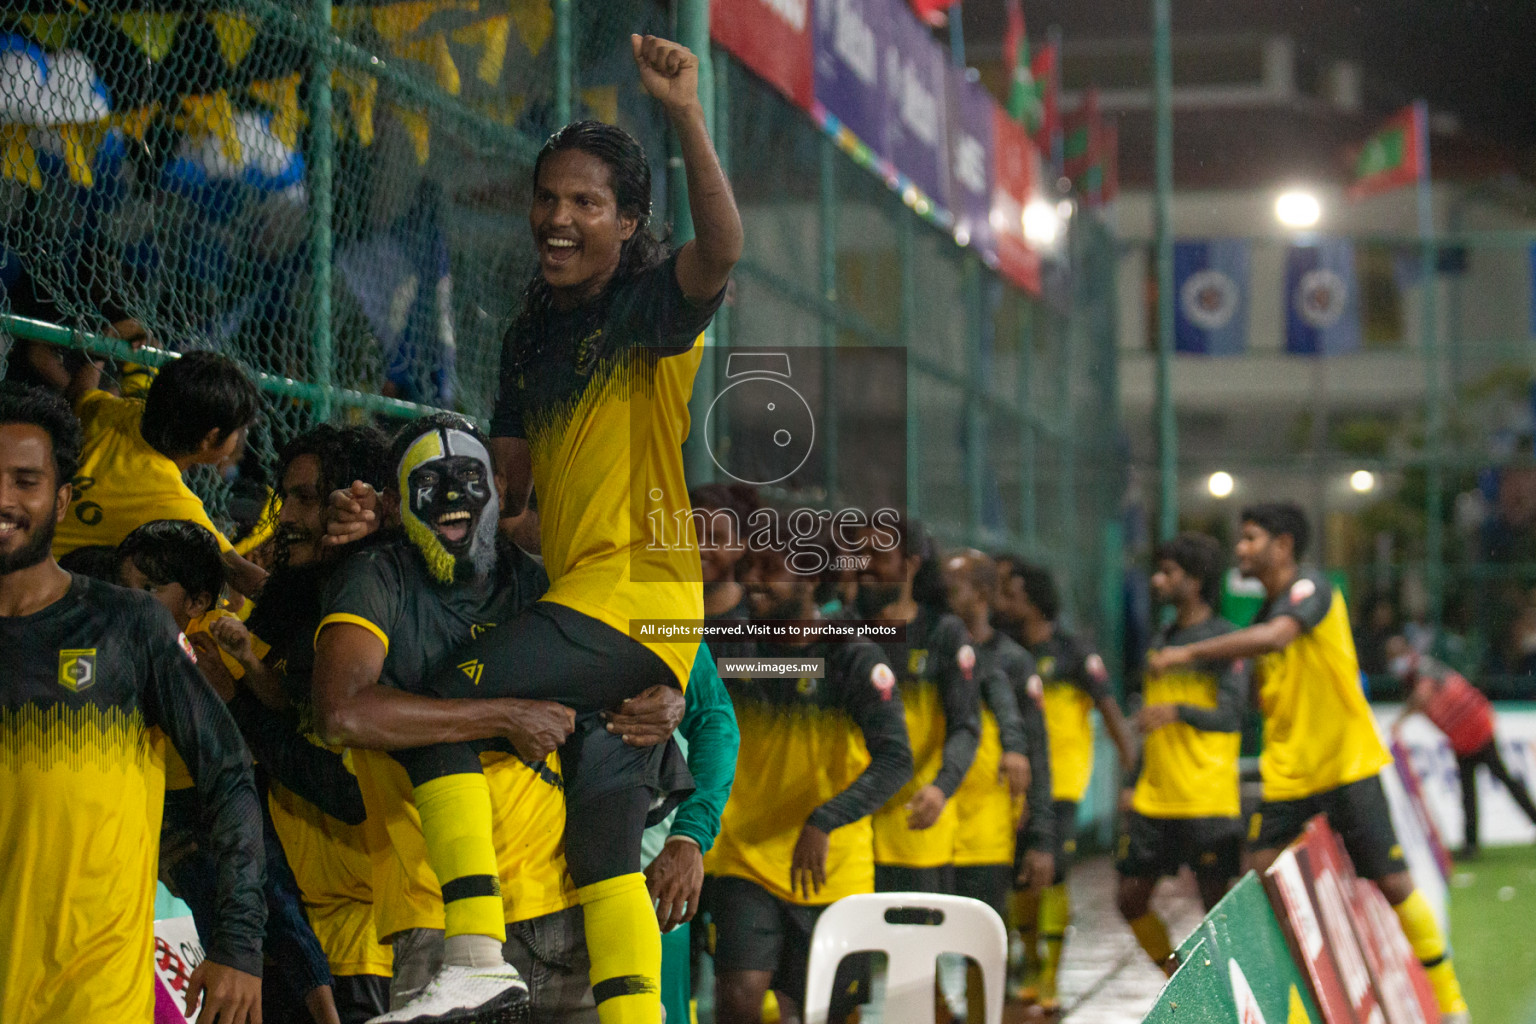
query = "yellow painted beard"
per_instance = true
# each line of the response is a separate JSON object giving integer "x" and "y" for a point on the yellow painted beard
{"x": 439, "y": 562}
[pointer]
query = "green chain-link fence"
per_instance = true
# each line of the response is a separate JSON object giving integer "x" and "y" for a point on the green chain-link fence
{"x": 336, "y": 195}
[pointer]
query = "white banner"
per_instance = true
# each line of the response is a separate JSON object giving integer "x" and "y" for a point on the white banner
{"x": 1501, "y": 822}
{"x": 177, "y": 954}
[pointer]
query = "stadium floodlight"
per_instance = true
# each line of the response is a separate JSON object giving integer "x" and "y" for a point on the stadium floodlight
{"x": 1298, "y": 210}
{"x": 1220, "y": 484}
{"x": 1363, "y": 481}
{"x": 1041, "y": 223}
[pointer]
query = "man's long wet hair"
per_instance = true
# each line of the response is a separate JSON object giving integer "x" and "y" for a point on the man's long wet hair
{"x": 631, "y": 179}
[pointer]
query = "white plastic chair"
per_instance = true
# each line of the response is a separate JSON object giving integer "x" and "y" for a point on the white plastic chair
{"x": 947, "y": 924}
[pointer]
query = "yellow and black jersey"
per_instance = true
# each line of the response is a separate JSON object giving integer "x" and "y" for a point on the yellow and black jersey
{"x": 985, "y": 810}
{"x": 1074, "y": 679}
{"x": 123, "y": 483}
{"x": 95, "y": 686}
{"x": 827, "y": 751}
{"x": 600, "y": 393}
{"x": 1318, "y": 729}
{"x": 936, "y": 666}
{"x": 387, "y": 590}
{"x": 1189, "y": 768}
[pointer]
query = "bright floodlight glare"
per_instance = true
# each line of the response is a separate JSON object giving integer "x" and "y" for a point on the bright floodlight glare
{"x": 1298, "y": 210}
{"x": 1041, "y": 222}
{"x": 1220, "y": 484}
{"x": 1363, "y": 481}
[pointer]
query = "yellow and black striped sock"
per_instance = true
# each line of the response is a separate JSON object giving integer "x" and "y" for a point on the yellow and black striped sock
{"x": 456, "y": 821}
{"x": 1152, "y": 933}
{"x": 624, "y": 945}
{"x": 1423, "y": 932}
{"x": 1055, "y": 913}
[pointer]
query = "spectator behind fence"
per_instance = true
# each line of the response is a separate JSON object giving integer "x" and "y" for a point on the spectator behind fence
{"x": 135, "y": 453}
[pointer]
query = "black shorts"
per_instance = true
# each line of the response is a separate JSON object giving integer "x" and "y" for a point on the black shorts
{"x": 989, "y": 883}
{"x": 756, "y": 931}
{"x": 1065, "y": 812}
{"x": 1154, "y": 847}
{"x": 1358, "y": 812}
{"x": 895, "y": 878}
{"x": 551, "y": 652}
{"x": 360, "y": 997}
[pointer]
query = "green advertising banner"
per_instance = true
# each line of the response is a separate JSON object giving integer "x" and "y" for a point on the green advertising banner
{"x": 1236, "y": 967}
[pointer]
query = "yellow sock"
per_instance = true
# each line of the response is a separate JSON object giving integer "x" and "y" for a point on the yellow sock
{"x": 456, "y": 821}
{"x": 624, "y": 944}
{"x": 1055, "y": 912}
{"x": 1024, "y": 909}
{"x": 1423, "y": 933}
{"x": 1152, "y": 933}
{"x": 770, "y": 1007}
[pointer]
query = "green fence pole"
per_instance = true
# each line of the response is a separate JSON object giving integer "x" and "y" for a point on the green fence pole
{"x": 322, "y": 175}
{"x": 1434, "y": 428}
{"x": 565, "y": 64}
{"x": 976, "y": 392}
{"x": 827, "y": 214}
{"x": 1167, "y": 425}
{"x": 1028, "y": 520}
{"x": 692, "y": 18}
{"x": 906, "y": 246}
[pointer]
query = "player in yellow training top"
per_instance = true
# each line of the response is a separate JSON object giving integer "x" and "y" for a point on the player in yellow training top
{"x": 936, "y": 666}
{"x": 1321, "y": 750}
{"x": 1185, "y": 807}
{"x": 596, "y": 373}
{"x": 97, "y": 679}
{"x": 1076, "y": 682}
{"x": 824, "y": 754}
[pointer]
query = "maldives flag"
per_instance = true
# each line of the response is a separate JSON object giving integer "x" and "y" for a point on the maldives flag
{"x": 932, "y": 12}
{"x": 1397, "y": 155}
{"x": 1046, "y": 72}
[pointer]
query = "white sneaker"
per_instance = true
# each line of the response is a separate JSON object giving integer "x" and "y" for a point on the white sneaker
{"x": 466, "y": 995}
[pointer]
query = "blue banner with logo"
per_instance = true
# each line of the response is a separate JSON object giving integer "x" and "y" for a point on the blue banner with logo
{"x": 1322, "y": 298}
{"x": 1211, "y": 285}
{"x": 970, "y": 164}
{"x": 913, "y": 72}
{"x": 852, "y": 37}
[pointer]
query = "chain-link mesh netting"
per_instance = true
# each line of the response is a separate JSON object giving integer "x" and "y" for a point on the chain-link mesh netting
{"x": 169, "y": 169}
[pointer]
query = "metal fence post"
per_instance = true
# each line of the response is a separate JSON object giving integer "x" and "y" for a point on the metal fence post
{"x": 906, "y": 242}
{"x": 827, "y": 213}
{"x": 565, "y": 64}
{"x": 976, "y": 434}
{"x": 322, "y": 176}
{"x": 1167, "y": 425}
{"x": 1027, "y": 439}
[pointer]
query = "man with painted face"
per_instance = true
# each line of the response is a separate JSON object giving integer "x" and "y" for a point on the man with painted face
{"x": 596, "y": 374}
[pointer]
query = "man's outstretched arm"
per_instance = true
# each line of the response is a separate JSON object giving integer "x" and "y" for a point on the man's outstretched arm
{"x": 670, "y": 73}
{"x": 1250, "y": 642}
{"x": 356, "y": 710}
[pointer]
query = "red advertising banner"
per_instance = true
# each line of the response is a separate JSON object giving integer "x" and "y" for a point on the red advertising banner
{"x": 1015, "y": 181}
{"x": 1286, "y": 881}
{"x": 1332, "y": 881}
{"x": 772, "y": 38}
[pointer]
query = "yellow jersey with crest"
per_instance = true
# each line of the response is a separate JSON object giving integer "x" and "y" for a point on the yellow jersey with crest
{"x": 600, "y": 393}
{"x": 1189, "y": 767}
{"x": 1319, "y": 733}
{"x": 1075, "y": 679}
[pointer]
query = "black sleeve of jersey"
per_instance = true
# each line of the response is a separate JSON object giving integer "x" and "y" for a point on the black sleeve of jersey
{"x": 997, "y": 690}
{"x": 1039, "y": 831}
{"x": 180, "y": 701}
{"x": 960, "y": 693}
{"x": 1307, "y": 601}
{"x": 1227, "y": 715}
{"x": 879, "y": 715}
{"x": 366, "y": 586}
{"x": 660, "y": 315}
{"x": 314, "y": 773}
{"x": 1087, "y": 671}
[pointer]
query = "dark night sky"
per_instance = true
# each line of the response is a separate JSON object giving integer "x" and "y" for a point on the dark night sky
{"x": 1476, "y": 58}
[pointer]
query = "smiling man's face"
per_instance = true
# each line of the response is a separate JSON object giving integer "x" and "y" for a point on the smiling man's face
{"x": 576, "y": 224}
{"x": 32, "y": 501}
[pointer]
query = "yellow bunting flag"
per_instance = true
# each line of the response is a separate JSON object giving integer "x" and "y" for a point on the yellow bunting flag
{"x": 235, "y": 34}
{"x": 535, "y": 21}
{"x": 212, "y": 115}
{"x": 288, "y": 118}
{"x": 152, "y": 33}
{"x": 491, "y": 37}
{"x": 18, "y": 160}
{"x": 361, "y": 92}
{"x": 418, "y": 129}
